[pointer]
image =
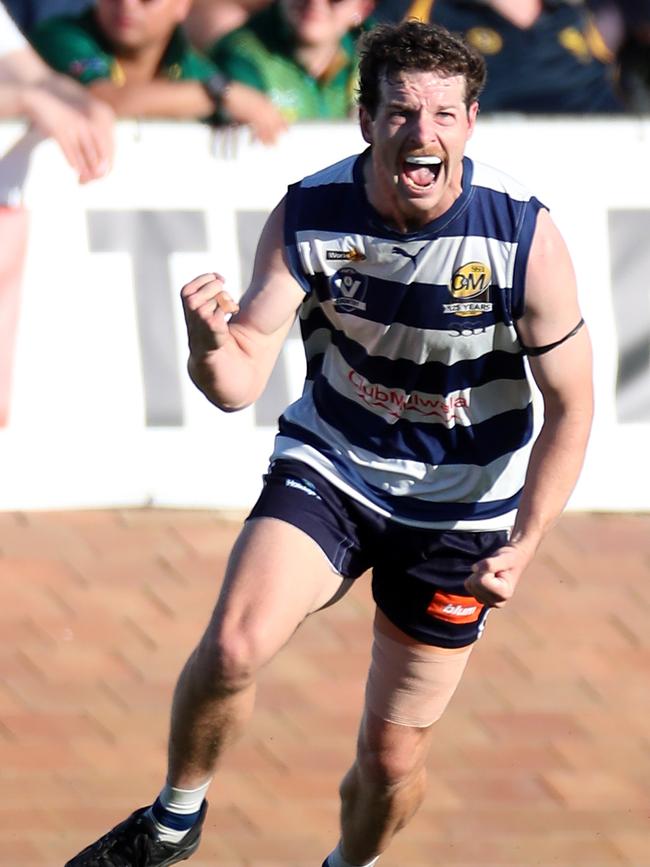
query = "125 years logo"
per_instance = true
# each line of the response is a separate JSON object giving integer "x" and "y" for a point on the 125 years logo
{"x": 470, "y": 287}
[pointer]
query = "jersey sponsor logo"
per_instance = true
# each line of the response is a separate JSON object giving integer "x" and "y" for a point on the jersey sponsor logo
{"x": 352, "y": 255}
{"x": 349, "y": 290}
{"x": 470, "y": 287}
{"x": 458, "y": 330}
{"x": 455, "y": 609}
{"x": 396, "y": 402}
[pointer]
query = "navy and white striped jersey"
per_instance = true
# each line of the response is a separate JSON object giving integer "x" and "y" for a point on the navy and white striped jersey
{"x": 416, "y": 400}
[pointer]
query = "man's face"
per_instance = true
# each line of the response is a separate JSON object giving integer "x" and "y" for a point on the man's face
{"x": 418, "y": 138}
{"x": 321, "y": 22}
{"x": 134, "y": 24}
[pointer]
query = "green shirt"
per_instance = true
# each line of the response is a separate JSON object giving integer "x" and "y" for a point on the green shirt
{"x": 77, "y": 47}
{"x": 261, "y": 54}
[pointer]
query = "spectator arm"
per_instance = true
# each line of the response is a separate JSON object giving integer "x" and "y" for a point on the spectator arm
{"x": 160, "y": 98}
{"x": 12, "y": 99}
{"x": 22, "y": 67}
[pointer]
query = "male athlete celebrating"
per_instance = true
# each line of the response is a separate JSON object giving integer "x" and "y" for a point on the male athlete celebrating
{"x": 422, "y": 281}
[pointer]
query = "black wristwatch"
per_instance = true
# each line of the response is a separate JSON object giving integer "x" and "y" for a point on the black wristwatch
{"x": 216, "y": 87}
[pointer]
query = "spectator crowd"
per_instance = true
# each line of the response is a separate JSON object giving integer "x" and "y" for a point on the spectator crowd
{"x": 70, "y": 66}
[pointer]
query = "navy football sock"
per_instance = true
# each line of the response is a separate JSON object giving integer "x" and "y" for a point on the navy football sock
{"x": 175, "y": 811}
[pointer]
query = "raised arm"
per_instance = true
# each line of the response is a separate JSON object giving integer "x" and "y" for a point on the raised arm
{"x": 231, "y": 361}
{"x": 560, "y": 361}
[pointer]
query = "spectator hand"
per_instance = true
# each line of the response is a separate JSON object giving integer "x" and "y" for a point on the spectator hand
{"x": 494, "y": 579}
{"x": 206, "y": 306}
{"x": 82, "y": 126}
{"x": 248, "y": 106}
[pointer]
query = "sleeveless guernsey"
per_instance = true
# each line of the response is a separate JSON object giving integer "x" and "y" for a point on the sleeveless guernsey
{"x": 416, "y": 400}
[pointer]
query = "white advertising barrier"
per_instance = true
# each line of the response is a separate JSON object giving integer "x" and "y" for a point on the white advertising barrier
{"x": 100, "y": 409}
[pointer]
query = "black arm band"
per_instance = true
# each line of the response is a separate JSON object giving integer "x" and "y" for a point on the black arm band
{"x": 541, "y": 350}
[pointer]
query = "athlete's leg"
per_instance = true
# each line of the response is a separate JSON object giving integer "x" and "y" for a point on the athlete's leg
{"x": 288, "y": 561}
{"x": 409, "y": 686}
{"x": 383, "y": 789}
{"x": 425, "y": 628}
{"x": 276, "y": 576}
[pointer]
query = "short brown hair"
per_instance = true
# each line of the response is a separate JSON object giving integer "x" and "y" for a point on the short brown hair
{"x": 388, "y": 49}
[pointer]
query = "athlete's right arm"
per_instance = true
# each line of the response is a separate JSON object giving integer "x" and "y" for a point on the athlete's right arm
{"x": 231, "y": 360}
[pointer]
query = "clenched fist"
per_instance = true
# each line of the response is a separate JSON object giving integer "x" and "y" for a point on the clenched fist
{"x": 494, "y": 579}
{"x": 207, "y": 308}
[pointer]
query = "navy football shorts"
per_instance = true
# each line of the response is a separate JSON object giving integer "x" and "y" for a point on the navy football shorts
{"x": 418, "y": 574}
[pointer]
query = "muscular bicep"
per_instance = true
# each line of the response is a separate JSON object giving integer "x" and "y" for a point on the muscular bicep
{"x": 551, "y": 307}
{"x": 550, "y": 328}
{"x": 268, "y": 307}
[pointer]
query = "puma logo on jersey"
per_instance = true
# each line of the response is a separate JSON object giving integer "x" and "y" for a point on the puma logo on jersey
{"x": 400, "y": 251}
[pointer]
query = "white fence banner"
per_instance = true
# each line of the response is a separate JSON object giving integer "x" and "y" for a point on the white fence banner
{"x": 99, "y": 410}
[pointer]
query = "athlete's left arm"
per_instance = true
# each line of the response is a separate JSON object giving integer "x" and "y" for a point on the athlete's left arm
{"x": 560, "y": 361}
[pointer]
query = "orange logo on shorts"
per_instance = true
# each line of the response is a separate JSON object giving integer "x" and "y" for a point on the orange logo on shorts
{"x": 455, "y": 609}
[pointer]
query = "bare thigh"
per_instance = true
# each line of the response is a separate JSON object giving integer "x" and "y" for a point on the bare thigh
{"x": 276, "y": 576}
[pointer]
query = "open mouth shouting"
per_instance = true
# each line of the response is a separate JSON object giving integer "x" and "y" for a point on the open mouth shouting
{"x": 419, "y": 173}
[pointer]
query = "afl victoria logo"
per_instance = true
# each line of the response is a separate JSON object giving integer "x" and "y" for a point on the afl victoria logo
{"x": 469, "y": 287}
{"x": 349, "y": 290}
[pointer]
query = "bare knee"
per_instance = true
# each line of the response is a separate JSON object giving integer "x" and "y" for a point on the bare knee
{"x": 227, "y": 660}
{"x": 387, "y": 770}
{"x": 392, "y": 758}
